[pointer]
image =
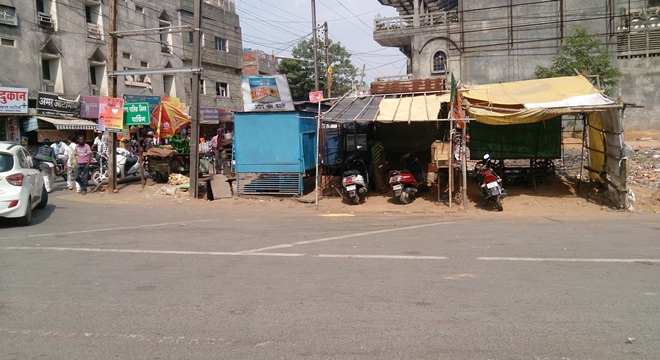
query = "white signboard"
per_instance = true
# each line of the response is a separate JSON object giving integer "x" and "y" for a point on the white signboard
{"x": 13, "y": 100}
{"x": 266, "y": 93}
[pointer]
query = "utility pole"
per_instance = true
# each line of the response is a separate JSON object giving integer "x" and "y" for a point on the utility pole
{"x": 328, "y": 72}
{"x": 112, "y": 146}
{"x": 364, "y": 67}
{"x": 197, "y": 79}
{"x": 316, "y": 45}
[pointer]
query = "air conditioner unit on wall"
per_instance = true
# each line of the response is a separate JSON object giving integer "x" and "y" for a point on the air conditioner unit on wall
{"x": 45, "y": 20}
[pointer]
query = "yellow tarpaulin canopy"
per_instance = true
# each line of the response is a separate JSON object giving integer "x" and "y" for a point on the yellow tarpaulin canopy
{"x": 531, "y": 101}
{"x": 410, "y": 108}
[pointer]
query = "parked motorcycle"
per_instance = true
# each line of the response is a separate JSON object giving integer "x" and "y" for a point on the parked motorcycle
{"x": 406, "y": 183}
{"x": 127, "y": 165}
{"x": 489, "y": 182}
{"x": 355, "y": 180}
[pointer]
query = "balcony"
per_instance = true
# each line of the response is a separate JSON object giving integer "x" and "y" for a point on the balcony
{"x": 94, "y": 31}
{"x": 396, "y": 31}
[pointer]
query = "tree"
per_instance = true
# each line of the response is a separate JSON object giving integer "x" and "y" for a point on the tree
{"x": 300, "y": 70}
{"x": 585, "y": 53}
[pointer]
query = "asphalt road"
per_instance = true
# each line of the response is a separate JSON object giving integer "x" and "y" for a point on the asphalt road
{"x": 95, "y": 281}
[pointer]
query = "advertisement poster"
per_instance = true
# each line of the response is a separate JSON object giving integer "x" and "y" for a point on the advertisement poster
{"x": 137, "y": 114}
{"x": 13, "y": 100}
{"x": 13, "y": 133}
{"x": 111, "y": 114}
{"x": 316, "y": 96}
{"x": 89, "y": 107}
{"x": 266, "y": 93}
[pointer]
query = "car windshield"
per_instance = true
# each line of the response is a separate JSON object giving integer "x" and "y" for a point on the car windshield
{"x": 6, "y": 162}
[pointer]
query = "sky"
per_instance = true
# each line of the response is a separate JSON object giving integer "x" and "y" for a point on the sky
{"x": 276, "y": 26}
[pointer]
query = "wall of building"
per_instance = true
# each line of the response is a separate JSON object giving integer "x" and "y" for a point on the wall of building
{"x": 220, "y": 66}
{"x": 257, "y": 62}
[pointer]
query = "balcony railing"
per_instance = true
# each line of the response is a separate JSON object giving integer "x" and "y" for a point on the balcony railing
{"x": 408, "y": 21}
{"x": 94, "y": 31}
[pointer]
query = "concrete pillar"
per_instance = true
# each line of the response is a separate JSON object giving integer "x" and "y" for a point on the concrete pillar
{"x": 416, "y": 13}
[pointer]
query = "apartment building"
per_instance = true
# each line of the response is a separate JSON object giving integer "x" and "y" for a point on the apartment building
{"x": 487, "y": 41}
{"x": 61, "y": 47}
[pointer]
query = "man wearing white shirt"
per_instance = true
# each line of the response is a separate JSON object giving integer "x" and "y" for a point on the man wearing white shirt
{"x": 71, "y": 164}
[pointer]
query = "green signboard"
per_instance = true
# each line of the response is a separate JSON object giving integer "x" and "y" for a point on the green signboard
{"x": 539, "y": 140}
{"x": 136, "y": 114}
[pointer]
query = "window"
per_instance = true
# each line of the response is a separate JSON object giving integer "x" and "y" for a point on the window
{"x": 169, "y": 85}
{"x": 139, "y": 9}
{"x": 220, "y": 44}
{"x": 45, "y": 68}
{"x": 7, "y": 42}
{"x": 98, "y": 80}
{"x": 94, "y": 19}
{"x": 164, "y": 24}
{"x": 440, "y": 62}
{"x": 144, "y": 64}
{"x": 8, "y": 15}
{"x": 126, "y": 55}
{"x": 46, "y": 14}
{"x": 222, "y": 89}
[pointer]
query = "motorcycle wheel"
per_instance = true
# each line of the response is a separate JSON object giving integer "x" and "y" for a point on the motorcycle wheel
{"x": 498, "y": 202}
{"x": 405, "y": 197}
{"x": 97, "y": 178}
{"x": 356, "y": 200}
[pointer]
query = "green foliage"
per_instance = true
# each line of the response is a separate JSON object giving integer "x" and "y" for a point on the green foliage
{"x": 300, "y": 70}
{"x": 584, "y": 53}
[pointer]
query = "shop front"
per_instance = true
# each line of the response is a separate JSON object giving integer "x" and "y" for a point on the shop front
{"x": 13, "y": 108}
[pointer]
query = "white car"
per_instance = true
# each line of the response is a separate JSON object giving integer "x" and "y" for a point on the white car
{"x": 21, "y": 184}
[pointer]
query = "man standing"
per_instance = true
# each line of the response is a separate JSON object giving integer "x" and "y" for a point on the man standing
{"x": 216, "y": 146}
{"x": 46, "y": 156}
{"x": 71, "y": 163}
{"x": 378, "y": 162}
{"x": 83, "y": 154}
{"x": 100, "y": 143}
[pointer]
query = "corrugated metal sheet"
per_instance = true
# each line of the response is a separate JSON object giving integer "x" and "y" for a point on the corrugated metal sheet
{"x": 354, "y": 109}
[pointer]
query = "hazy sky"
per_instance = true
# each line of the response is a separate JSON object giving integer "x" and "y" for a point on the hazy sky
{"x": 276, "y": 26}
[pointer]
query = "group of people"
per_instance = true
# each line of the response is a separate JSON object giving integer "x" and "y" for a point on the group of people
{"x": 73, "y": 156}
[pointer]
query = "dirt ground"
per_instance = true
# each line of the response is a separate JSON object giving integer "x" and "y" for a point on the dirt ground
{"x": 560, "y": 198}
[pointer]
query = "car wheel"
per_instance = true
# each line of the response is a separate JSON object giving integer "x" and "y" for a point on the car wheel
{"x": 44, "y": 198}
{"x": 26, "y": 219}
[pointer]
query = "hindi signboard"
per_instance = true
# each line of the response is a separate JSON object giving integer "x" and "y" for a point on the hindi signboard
{"x": 111, "y": 114}
{"x": 152, "y": 100}
{"x": 137, "y": 114}
{"x": 89, "y": 107}
{"x": 266, "y": 93}
{"x": 13, "y": 100}
{"x": 51, "y": 104}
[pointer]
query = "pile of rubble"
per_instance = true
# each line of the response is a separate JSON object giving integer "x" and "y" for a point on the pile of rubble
{"x": 644, "y": 167}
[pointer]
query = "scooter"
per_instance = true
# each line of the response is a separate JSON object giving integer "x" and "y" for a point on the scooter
{"x": 490, "y": 183}
{"x": 355, "y": 185}
{"x": 127, "y": 165}
{"x": 406, "y": 183}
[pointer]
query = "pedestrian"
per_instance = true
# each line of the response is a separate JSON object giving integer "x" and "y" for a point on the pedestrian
{"x": 378, "y": 164}
{"x": 148, "y": 141}
{"x": 83, "y": 155}
{"x": 71, "y": 164}
{"x": 216, "y": 146}
{"x": 100, "y": 144}
{"x": 47, "y": 160}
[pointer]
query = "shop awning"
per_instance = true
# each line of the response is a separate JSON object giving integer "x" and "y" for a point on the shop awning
{"x": 354, "y": 109}
{"x": 386, "y": 108}
{"x": 69, "y": 123}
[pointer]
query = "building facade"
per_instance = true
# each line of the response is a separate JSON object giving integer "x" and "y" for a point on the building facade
{"x": 257, "y": 62}
{"x": 62, "y": 47}
{"x": 489, "y": 41}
